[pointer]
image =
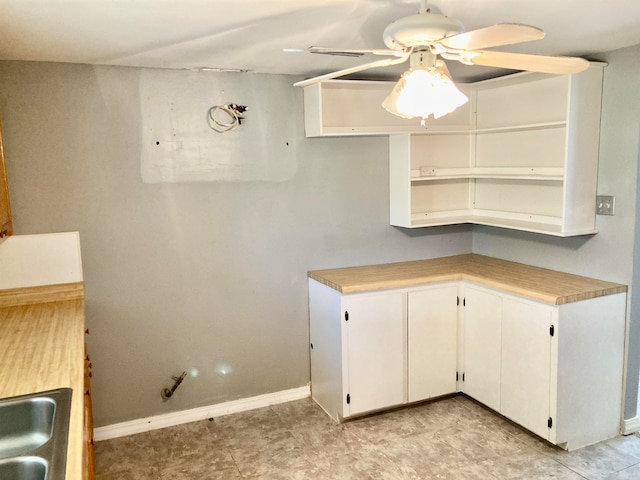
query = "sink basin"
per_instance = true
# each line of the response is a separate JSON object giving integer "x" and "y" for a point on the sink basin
{"x": 23, "y": 468}
{"x": 34, "y": 431}
{"x": 25, "y": 424}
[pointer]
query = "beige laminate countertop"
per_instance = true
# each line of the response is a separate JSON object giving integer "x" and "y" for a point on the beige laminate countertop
{"x": 549, "y": 286}
{"x": 42, "y": 348}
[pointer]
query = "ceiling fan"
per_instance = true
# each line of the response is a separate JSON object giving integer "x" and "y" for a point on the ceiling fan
{"x": 424, "y": 37}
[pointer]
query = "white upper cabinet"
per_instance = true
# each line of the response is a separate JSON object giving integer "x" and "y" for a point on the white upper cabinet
{"x": 354, "y": 107}
{"x": 529, "y": 162}
{"x": 521, "y": 154}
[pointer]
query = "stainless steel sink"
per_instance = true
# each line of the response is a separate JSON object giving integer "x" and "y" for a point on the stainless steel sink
{"x": 23, "y": 468}
{"x": 34, "y": 431}
{"x": 25, "y": 424}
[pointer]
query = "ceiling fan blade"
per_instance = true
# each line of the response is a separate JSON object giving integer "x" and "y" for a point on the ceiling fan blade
{"x": 328, "y": 76}
{"x": 493, "y": 36}
{"x": 355, "y": 52}
{"x": 533, "y": 63}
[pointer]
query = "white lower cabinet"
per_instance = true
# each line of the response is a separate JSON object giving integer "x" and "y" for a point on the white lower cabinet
{"x": 358, "y": 350}
{"x": 482, "y": 344}
{"x": 525, "y": 383}
{"x": 556, "y": 370}
{"x": 374, "y": 334}
{"x": 371, "y": 351}
{"x": 432, "y": 339}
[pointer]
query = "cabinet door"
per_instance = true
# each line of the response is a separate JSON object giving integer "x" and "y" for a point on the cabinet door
{"x": 432, "y": 334}
{"x": 482, "y": 338}
{"x": 6, "y": 227}
{"x": 375, "y": 338}
{"x": 526, "y": 358}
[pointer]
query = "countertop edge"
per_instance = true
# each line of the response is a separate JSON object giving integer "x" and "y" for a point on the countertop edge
{"x": 15, "y": 297}
{"x": 474, "y": 268}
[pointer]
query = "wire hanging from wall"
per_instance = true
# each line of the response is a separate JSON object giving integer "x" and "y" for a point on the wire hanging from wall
{"x": 233, "y": 117}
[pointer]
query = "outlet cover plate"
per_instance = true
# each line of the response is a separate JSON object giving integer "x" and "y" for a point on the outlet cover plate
{"x": 605, "y": 204}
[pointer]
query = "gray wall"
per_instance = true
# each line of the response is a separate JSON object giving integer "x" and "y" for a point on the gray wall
{"x": 210, "y": 277}
{"x": 204, "y": 277}
{"x": 609, "y": 254}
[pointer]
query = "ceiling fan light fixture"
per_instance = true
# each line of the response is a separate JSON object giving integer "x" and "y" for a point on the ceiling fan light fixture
{"x": 422, "y": 91}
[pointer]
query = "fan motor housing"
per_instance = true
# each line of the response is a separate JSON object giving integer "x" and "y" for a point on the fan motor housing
{"x": 420, "y": 30}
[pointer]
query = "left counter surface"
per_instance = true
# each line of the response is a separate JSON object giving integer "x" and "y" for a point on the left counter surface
{"x": 42, "y": 348}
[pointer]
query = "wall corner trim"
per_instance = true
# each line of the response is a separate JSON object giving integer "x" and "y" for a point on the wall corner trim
{"x": 631, "y": 425}
{"x": 192, "y": 415}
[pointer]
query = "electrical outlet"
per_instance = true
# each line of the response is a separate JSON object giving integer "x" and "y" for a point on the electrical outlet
{"x": 605, "y": 204}
{"x": 427, "y": 171}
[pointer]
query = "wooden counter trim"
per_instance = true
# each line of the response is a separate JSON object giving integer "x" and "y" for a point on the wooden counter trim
{"x": 41, "y": 294}
{"x": 549, "y": 286}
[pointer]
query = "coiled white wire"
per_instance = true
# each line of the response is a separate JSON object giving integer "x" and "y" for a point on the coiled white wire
{"x": 219, "y": 126}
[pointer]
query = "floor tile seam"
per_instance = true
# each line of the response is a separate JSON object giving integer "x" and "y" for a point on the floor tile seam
{"x": 571, "y": 469}
{"x": 456, "y": 465}
{"x": 278, "y": 416}
{"x": 630, "y": 455}
{"x": 361, "y": 434}
{"x": 437, "y": 429}
{"x": 621, "y": 471}
{"x": 486, "y": 471}
{"x": 583, "y": 475}
{"x": 619, "y": 451}
{"x": 190, "y": 455}
{"x": 236, "y": 466}
{"x": 628, "y": 466}
{"x": 397, "y": 466}
{"x": 484, "y": 459}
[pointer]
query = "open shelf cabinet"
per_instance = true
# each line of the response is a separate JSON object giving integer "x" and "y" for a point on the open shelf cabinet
{"x": 354, "y": 107}
{"x": 528, "y": 159}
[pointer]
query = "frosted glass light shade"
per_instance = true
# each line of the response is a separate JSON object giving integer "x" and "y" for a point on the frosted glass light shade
{"x": 423, "y": 92}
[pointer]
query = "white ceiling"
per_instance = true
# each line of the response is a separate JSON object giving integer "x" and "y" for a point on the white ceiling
{"x": 251, "y": 34}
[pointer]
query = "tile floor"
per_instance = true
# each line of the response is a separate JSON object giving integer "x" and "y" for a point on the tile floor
{"x": 455, "y": 438}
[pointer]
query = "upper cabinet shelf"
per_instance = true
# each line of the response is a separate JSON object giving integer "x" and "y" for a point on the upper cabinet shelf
{"x": 426, "y": 174}
{"x": 521, "y": 154}
{"x": 354, "y": 107}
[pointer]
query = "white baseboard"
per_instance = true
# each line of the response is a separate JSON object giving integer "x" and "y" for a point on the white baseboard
{"x": 631, "y": 425}
{"x": 193, "y": 415}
